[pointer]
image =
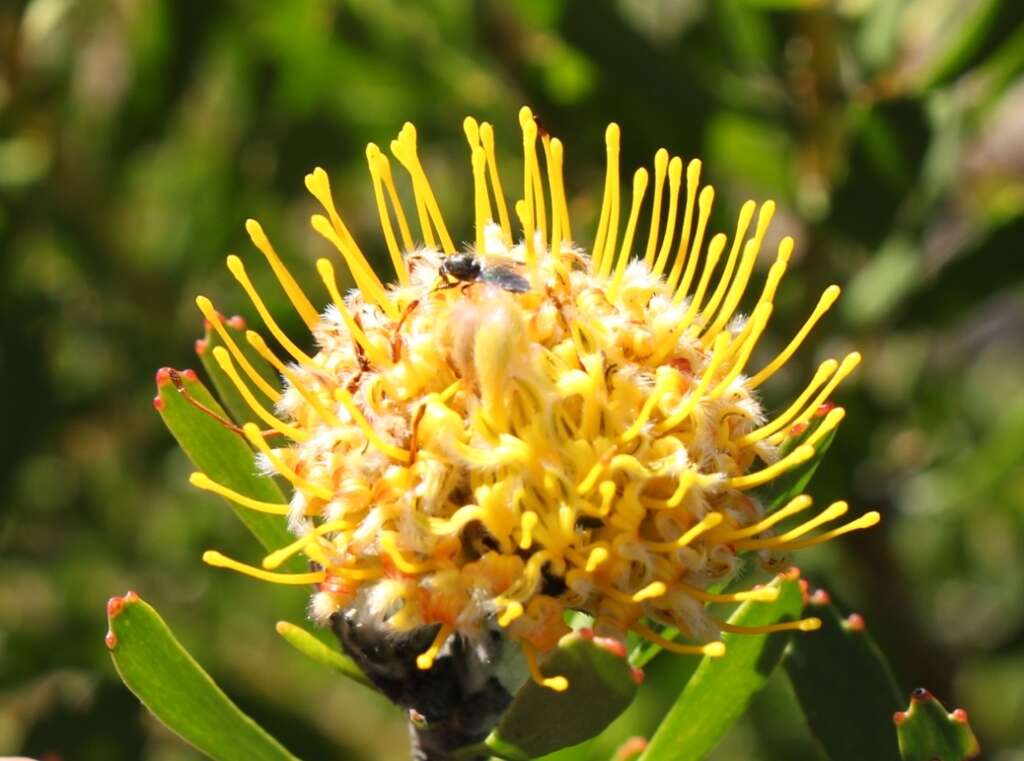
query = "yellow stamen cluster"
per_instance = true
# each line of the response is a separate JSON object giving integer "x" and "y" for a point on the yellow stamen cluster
{"x": 547, "y": 430}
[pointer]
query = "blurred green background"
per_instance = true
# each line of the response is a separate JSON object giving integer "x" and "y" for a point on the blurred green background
{"x": 137, "y": 135}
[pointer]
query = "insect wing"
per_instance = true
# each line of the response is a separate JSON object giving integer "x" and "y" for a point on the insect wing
{"x": 506, "y": 278}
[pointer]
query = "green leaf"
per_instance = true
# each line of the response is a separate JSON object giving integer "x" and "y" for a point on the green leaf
{"x": 720, "y": 689}
{"x": 222, "y": 454}
{"x": 227, "y": 391}
{"x": 972, "y": 32}
{"x": 794, "y": 481}
{"x": 882, "y": 285}
{"x": 169, "y": 682}
{"x": 313, "y": 648}
{"x": 845, "y": 687}
{"x": 746, "y": 32}
{"x": 541, "y": 720}
{"x": 999, "y": 72}
{"x": 879, "y": 35}
{"x": 927, "y": 733}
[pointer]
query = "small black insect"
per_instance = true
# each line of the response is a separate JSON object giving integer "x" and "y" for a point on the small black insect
{"x": 467, "y": 268}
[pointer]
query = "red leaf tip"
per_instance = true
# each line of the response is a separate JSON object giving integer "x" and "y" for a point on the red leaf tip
{"x": 114, "y": 606}
{"x": 613, "y": 646}
{"x": 855, "y": 622}
{"x": 630, "y": 749}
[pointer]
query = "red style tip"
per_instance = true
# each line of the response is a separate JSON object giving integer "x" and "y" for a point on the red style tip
{"x": 637, "y": 673}
{"x": 899, "y": 717}
{"x": 163, "y": 376}
{"x": 796, "y": 430}
{"x": 855, "y": 622}
{"x": 158, "y": 403}
{"x": 541, "y": 129}
{"x": 236, "y": 321}
{"x": 791, "y": 574}
{"x": 130, "y": 596}
{"x": 189, "y": 375}
{"x": 959, "y": 715}
{"x": 682, "y": 365}
{"x": 820, "y": 597}
{"x": 111, "y": 640}
{"x": 920, "y": 695}
{"x": 586, "y": 633}
{"x": 824, "y": 409}
{"x": 201, "y": 344}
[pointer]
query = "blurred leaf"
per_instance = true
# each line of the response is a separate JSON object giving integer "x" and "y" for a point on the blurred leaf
{"x": 878, "y": 39}
{"x": 541, "y": 720}
{"x": 719, "y": 691}
{"x": 746, "y": 31}
{"x": 1000, "y": 71}
{"x": 971, "y": 34}
{"x": 569, "y": 76}
{"x": 882, "y": 147}
{"x": 175, "y": 688}
{"x": 845, "y": 687}
{"x": 883, "y": 283}
{"x": 783, "y": 5}
{"x": 227, "y": 391}
{"x": 223, "y": 455}
{"x": 313, "y": 648}
{"x": 753, "y": 150}
{"x": 927, "y": 733}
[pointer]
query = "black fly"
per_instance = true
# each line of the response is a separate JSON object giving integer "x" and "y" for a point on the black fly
{"x": 467, "y": 268}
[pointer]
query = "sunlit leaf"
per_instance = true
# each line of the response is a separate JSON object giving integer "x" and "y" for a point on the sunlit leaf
{"x": 169, "y": 682}
{"x": 927, "y": 733}
{"x": 227, "y": 391}
{"x": 221, "y": 453}
{"x": 721, "y": 688}
{"x": 313, "y": 648}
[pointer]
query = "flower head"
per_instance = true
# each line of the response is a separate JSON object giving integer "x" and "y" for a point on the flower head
{"x": 525, "y": 427}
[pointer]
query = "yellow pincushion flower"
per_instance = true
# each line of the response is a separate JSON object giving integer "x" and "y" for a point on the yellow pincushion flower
{"x": 525, "y": 427}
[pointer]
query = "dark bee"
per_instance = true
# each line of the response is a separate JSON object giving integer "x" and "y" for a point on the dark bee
{"x": 467, "y": 268}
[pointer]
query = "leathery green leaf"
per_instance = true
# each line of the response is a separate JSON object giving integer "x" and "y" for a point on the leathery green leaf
{"x": 226, "y": 390}
{"x": 169, "y": 682}
{"x": 313, "y": 648}
{"x": 927, "y": 733}
{"x": 793, "y": 482}
{"x": 845, "y": 687}
{"x": 721, "y": 688}
{"x": 541, "y": 720}
{"x": 220, "y": 453}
